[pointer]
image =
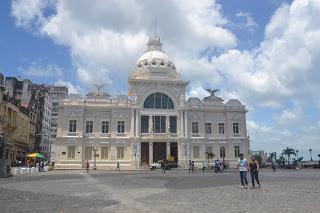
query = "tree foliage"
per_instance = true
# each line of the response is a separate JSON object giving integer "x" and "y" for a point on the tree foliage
{"x": 288, "y": 152}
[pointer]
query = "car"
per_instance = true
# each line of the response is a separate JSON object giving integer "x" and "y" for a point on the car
{"x": 155, "y": 165}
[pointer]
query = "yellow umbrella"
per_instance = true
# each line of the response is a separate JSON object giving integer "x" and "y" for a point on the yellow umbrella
{"x": 35, "y": 155}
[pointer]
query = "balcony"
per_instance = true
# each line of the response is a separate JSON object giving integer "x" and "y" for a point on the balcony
{"x": 159, "y": 135}
{"x": 104, "y": 135}
{"x": 72, "y": 134}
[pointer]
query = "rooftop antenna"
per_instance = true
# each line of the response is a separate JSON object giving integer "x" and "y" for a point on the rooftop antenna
{"x": 155, "y": 27}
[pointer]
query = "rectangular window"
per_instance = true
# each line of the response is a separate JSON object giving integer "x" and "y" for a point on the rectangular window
{"x": 120, "y": 126}
{"x": 105, "y": 127}
{"x": 221, "y": 128}
{"x": 71, "y": 152}
{"x": 195, "y": 127}
{"x": 89, "y": 126}
{"x": 236, "y": 128}
{"x": 237, "y": 151}
{"x": 208, "y": 128}
{"x": 144, "y": 124}
{"x": 72, "y": 126}
{"x": 88, "y": 153}
{"x": 196, "y": 152}
{"x": 159, "y": 124}
{"x": 208, "y": 149}
{"x": 120, "y": 152}
{"x": 173, "y": 124}
{"x": 104, "y": 153}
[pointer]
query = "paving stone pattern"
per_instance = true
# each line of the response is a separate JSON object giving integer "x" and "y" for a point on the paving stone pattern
{"x": 150, "y": 191}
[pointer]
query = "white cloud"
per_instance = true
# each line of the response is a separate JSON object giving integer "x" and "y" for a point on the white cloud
{"x": 106, "y": 37}
{"x": 290, "y": 116}
{"x": 41, "y": 69}
{"x": 72, "y": 89}
{"x": 196, "y": 90}
{"x": 249, "y": 21}
{"x": 285, "y": 65}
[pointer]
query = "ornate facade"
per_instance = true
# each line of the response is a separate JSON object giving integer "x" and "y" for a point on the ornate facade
{"x": 155, "y": 123}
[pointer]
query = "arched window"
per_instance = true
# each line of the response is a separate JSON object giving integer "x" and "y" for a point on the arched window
{"x": 158, "y": 101}
{"x": 222, "y": 152}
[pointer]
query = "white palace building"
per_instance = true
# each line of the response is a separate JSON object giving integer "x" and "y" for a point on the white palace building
{"x": 155, "y": 123}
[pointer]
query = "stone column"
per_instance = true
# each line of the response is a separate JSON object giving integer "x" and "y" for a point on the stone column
{"x": 181, "y": 124}
{"x": 150, "y": 152}
{"x": 137, "y": 123}
{"x": 168, "y": 149}
{"x": 186, "y": 124}
{"x": 150, "y": 124}
{"x": 132, "y": 123}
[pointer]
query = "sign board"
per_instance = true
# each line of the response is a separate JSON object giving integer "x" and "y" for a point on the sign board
{"x": 170, "y": 158}
{"x": 64, "y": 153}
{"x": 96, "y": 155}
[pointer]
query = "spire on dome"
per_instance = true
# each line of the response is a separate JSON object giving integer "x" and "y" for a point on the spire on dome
{"x": 154, "y": 43}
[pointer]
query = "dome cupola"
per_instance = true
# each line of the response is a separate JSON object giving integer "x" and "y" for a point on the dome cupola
{"x": 155, "y": 63}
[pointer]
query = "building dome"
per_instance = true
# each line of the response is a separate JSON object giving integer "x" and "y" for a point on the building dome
{"x": 150, "y": 55}
{"x": 155, "y": 63}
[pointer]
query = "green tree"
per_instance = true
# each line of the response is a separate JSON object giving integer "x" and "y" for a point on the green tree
{"x": 299, "y": 159}
{"x": 281, "y": 159}
{"x": 288, "y": 152}
{"x": 210, "y": 155}
{"x": 272, "y": 155}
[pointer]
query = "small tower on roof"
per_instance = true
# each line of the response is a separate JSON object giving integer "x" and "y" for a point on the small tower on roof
{"x": 154, "y": 43}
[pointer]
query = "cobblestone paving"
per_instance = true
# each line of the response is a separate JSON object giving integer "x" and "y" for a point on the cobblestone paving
{"x": 149, "y": 191}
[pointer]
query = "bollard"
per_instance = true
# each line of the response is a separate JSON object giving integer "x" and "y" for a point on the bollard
{"x": 15, "y": 171}
{"x": 23, "y": 171}
{"x": 33, "y": 170}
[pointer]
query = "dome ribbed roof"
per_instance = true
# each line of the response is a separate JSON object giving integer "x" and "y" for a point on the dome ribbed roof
{"x": 155, "y": 63}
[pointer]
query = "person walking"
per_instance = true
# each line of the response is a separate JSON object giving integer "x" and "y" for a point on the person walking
{"x": 190, "y": 166}
{"x": 118, "y": 166}
{"x": 221, "y": 166}
{"x": 163, "y": 167}
{"x": 87, "y": 165}
{"x": 224, "y": 164}
{"x": 216, "y": 166}
{"x": 254, "y": 168}
{"x": 273, "y": 165}
{"x": 204, "y": 166}
{"x": 242, "y": 168}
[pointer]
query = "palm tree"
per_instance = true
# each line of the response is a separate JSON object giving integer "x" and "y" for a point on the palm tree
{"x": 281, "y": 160}
{"x": 288, "y": 152}
{"x": 272, "y": 155}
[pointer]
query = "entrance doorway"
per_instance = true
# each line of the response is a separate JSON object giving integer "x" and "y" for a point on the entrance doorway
{"x": 159, "y": 151}
{"x": 144, "y": 153}
{"x": 174, "y": 151}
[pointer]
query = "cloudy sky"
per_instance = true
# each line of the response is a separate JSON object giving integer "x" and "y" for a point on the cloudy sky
{"x": 265, "y": 53}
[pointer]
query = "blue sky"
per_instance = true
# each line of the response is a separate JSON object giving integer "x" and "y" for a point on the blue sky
{"x": 265, "y": 53}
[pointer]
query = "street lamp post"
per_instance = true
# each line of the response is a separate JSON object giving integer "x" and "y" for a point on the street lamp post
{"x": 310, "y": 150}
{"x": 95, "y": 149}
{"x": 297, "y": 151}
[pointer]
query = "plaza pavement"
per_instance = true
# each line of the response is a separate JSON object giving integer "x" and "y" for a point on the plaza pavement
{"x": 150, "y": 191}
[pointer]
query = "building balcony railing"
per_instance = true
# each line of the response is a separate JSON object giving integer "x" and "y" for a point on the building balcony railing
{"x": 160, "y": 135}
{"x": 195, "y": 135}
{"x": 104, "y": 135}
{"x": 72, "y": 134}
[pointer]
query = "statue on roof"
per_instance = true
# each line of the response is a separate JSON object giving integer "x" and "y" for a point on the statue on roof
{"x": 212, "y": 91}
